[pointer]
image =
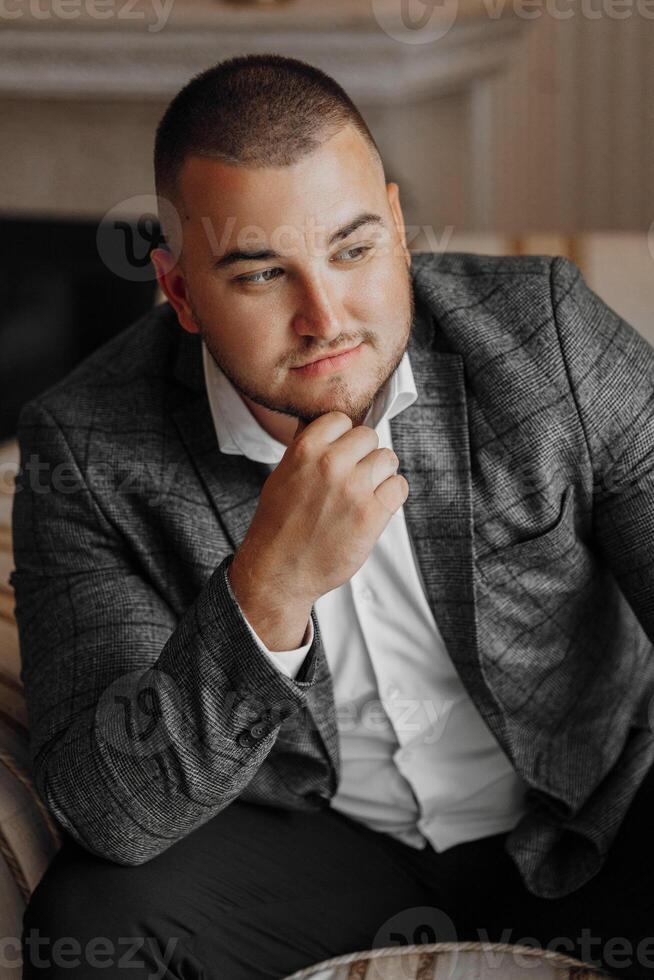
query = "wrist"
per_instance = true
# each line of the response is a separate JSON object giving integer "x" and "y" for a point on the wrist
{"x": 280, "y": 623}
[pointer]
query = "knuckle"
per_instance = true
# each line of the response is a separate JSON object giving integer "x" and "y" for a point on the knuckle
{"x": 301, "y": 449}
{"x": 328, "y": 464}
{"x": 350, "y": 490}
{"x": 360, "y": 514}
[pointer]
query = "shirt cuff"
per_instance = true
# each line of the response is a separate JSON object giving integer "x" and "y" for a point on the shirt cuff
{"x": 288, "y": 661}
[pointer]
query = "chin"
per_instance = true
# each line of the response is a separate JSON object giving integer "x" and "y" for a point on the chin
{"x": 357, "y": 414}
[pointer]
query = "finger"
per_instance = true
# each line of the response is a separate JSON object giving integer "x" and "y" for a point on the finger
{"x": 392, "y": 493}
{"x": 376, "y": 467}
{"x": 326, "y": 428}
{"x": 351, "y": 447}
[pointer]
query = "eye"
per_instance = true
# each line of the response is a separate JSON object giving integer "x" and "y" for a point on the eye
{"x": 264, "y": 276}
{"x": 252, "y": 277}
{"x": 360, "y": 249}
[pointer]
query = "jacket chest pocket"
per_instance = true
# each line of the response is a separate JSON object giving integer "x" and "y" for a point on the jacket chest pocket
{"x": 537, "y": 550}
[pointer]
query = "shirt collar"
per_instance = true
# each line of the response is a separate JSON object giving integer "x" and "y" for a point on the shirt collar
{"x": 239, "y": 433}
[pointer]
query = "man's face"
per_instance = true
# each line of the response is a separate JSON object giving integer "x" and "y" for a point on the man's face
{"x": 272, "y": 278}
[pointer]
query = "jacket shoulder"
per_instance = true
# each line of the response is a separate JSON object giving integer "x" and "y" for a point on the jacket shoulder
{"x": 478, "y": 302}
{"x": 139, "y": 358}
{"x": 472, "y": 266}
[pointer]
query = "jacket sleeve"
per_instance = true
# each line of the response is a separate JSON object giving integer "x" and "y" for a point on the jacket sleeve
{"x": 611, "y": 372}
{"x": 143, "y": 724}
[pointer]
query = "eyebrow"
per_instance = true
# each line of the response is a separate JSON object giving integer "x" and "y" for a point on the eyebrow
{"x": 238, "y": 255}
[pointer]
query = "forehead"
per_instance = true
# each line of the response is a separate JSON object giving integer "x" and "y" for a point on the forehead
{"x": 341, "y": 174}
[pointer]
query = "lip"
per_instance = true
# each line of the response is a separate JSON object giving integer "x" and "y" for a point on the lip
{"x": 332, "y": 362}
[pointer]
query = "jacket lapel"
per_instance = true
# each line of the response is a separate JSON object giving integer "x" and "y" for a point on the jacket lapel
{"x": 431, "y": 439}
{"x": 232, "y": 483}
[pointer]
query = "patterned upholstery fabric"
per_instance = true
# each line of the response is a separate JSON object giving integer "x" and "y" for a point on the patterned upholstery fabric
{"x": 28, "y": 837}
{"x": 438, "y": 961}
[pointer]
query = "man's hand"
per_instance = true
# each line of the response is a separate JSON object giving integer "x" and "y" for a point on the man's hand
{"x": 319, "y": 515}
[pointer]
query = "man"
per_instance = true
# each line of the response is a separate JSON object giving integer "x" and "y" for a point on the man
{"x": 335, "y": 580}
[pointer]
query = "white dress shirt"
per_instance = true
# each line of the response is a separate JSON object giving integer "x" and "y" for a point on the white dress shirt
{"x": 418, "y": 760}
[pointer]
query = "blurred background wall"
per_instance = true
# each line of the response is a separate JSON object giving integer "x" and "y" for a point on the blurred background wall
{"x": 509, "y": 126}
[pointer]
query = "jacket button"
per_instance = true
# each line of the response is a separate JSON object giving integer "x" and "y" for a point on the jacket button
{"x": 258, "y": 730}
{"x": 245, "y": 740}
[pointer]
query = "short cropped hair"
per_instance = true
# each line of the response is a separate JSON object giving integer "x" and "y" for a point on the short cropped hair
{"x": 252, "y": 111}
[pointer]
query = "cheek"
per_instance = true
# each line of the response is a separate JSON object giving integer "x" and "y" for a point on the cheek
{"x": 252, "y": 348}
{"x": 237, "y": 332}
{"x": 380, "y": 288}
{"x": 247, "y": 349}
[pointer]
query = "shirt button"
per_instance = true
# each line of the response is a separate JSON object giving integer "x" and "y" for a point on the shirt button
{"x": 405, "y": 755}
{"x": 366, "y": 594}
{"x": 392, "y": 692}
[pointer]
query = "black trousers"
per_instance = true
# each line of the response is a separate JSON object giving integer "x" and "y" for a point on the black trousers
{"x": 259, "y": 892}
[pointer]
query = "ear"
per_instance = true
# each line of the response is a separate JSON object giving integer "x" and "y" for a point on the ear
{"x": 170, "y": 277}
{"x": 393, "y": 193}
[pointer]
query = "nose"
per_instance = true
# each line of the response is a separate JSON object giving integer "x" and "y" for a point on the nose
{"x": 318, "y": 312}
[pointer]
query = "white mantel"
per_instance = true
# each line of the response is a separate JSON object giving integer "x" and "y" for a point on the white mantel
{"x": 80, "y": 98}
{"x": 131, "y": 60}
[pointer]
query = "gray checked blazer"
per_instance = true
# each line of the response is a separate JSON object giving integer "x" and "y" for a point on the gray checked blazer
{"x": 530, "y": 459}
